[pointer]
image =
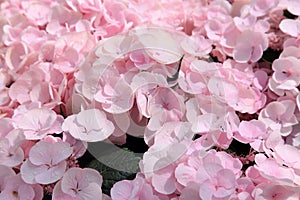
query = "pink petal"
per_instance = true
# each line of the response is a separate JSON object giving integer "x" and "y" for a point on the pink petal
{"x": 93, "y": 191}
{"x": 91, "y": 119}
{"x": 164, "y": 183}
{"x": 81, "y": 179}
{"x": 242, "y": 53}
{"x": 49, "y": 153}
{"x": 190, "y": 192}
{"x": 293, "y": 6}
{"x": 290, "y": 26}
{"x": 289, "y": 154}
{"x": 206, "y": 191}
{"x": 29, "y": 171}
{"x": 121, "y": 190}
{"x": 52, "y": 174}
{"x": 58, "y": 194}
{"x": 185, "y": 174}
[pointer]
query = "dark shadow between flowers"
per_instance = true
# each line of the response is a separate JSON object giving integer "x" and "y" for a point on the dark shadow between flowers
{"x": 103, "y": 157}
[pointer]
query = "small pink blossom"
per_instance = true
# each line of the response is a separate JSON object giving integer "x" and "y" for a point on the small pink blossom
{"x": 276, "y": 172}
{"x": 89, "y": 6}
{"x": 14, "y": 54}
{"x": 46, "y": 163}
{"x": 79, "y": 147}
{"x": 253, "y": 132}
{"x": 286, "y": 72}
{"x": 31, "y": 86}
{"x": 4, "y": 173}
{"x": 164, "y": 105}
{"x": 115, "y": 95}
{"x": 15, "y": 188}
{"x": 193, "y": 76}
{"x": 135, "y": 189}
{"x": 141, "y": 60}
{"x": 39, "y": 122}
{"x": 197, "y": 46}
{"x": 279, "y": 116}
{"x": 38, "y": 12}
{"x": 89, "y": 125}
{"x": 11, "y": 153}
{"x": 288, "y": 155}
{"x": 274, "y": 191}
{"x": 215, "y": 182}
{"x": 79, "y": 184}
{"x": 250, "y": 46}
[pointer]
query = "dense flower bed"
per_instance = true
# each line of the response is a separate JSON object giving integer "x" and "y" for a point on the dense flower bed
{"x": 211, "y": 87}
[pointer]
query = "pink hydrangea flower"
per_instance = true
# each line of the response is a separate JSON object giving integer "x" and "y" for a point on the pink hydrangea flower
{"x": 4, "y": 173}
{"x": 197, "y": 46}
{"x": 164, "y": 105}
{"x": 275, "y": 191}
{"x": 15, "y": 188}
{"x": 89, "y": 125}
{"x": 236, "y": 90}
{"x": 244, "y": 189}
{"x": 205, "y": 178}
{"x": 193, "y": 76}
{"x": 250, "y": 46}
{"x": 288, "y": 155}
{"x": 279, "y": 116}
{"x": 30, "y": 87}
{"x": 46, "y": 163}
{"x": 166, "y": 82}
{"x": 253, "y": 132}
{"x": 38, "y": 122}
{"x": 141, "y": 59}
{"x": 286, "y": 73}
{"x": 274, "y": 171}
{"x": 38, "y": 12}
{"x": 11, "y": 153}
{"x": 79, "y": 184}
{"x": 79, "y": 147}
{"x": 115, "y": 95}
{"x": 13, "y": 55}
{"x": 215, "y": 182}
{"x": 85, "y": 6}
{"x": 138, "y": 188}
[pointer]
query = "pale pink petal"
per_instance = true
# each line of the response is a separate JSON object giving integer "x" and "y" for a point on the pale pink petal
{"x": 242, "y": 53}
{"x": 290, "y": 26}
{"x": 121, "y": 190}
{"x": 5, "y": 172}
{"x": 58, "y": 194}
{"x": 164, "y": 183}
{"x": 206, "y": 191}
{"x": 81, "y": 183}
{"x": 190, "y": 192}
{"x": 292, "y": 6}
{"x": 49, "y": 153}
{"x": 185, "y": 174}
{"x": 29, "y": 171}
{"x": 51, "y": 174}
{"x": 92, "y": 192}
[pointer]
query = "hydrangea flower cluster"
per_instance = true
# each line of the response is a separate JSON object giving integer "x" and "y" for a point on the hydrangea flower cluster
{"x": 192, "y": 78}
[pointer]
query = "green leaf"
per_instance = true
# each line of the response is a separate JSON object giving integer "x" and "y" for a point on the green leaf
{"x": 116, "y": 166}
